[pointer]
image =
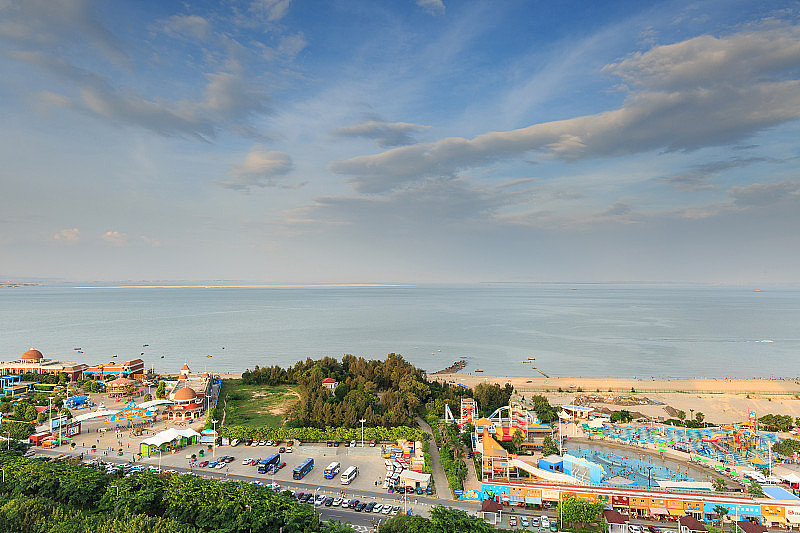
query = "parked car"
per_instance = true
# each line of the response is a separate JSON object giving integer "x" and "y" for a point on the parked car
{"x": 633, "y": 528}
{"x": 347, "y": 444}
{"x": 420, "y": 491}
{"x": 204, "y": 463}
{"x": 300, "y": 495}
{"x": 378, "y": 508}
{"x": 290, "y": 443}
{"x": 329, "y": 443}
{"x": 328, "y": 502}
{"x": 281, "y": 450}
{"x": 306, "y": 497}
{"x": 280, "y": 465}
{"x": 345, "y": 503}
{"x": 387, "y": 509}
{"x": 512, "y": 521}
{"x": 354, "y": 503}
{"x": 372, "y": 443}
{"x": 288, "y": 449}
{"x": 524, "y": 521}
{"x": 654, "y": 529}
{"x": 553, "y": 528}
{"x": 352, "y": 444}
{"x": 337, "y": 502}
{"x": 221, "y": 465}
{"x": 395, "y": 510}
{"x": 429, "y": 491}
{"x": 369, "y": 507}
{"x": 320, "y": 499}
{"x": 360, "y": 507}
{"x": 545, "y": 522}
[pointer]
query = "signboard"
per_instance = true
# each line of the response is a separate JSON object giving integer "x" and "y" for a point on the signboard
{"x": 56, "y": 423}
{"x": 550, "y": 494}
{"x": 733, "y": 509}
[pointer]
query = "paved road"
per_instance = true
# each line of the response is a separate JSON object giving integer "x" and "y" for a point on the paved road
{"x": 439, "y": 477}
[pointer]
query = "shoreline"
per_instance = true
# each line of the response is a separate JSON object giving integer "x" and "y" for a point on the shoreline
{"x": 753, "y": 386}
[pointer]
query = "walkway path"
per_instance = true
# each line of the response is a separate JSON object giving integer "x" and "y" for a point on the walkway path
{"x": 439, "y": 477}
{"x": 473, "y": 481}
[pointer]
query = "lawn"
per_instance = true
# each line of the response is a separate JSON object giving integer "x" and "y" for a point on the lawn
{"x": 255, "y": 405}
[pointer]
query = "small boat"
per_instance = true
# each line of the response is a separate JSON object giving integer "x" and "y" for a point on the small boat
{"x": 209, "y": 356}
{"x": 77, "y": 349}
{"x": 141, "y": 353}
{"x": 145, "y": 345}
{"x": 478, "y": 370}
{"x": 114, "y": 355}
{"x": 531, "y": 359}
{"x": 162, "y": 357}
{"x": 80, "y": 351}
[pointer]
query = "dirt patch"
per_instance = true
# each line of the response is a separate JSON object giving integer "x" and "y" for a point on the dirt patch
{"x": 289, "y": 399}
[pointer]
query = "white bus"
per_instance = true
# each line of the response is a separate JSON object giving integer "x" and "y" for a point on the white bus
{"x": 349, "y": 475}
{"x": 331, "y": 471}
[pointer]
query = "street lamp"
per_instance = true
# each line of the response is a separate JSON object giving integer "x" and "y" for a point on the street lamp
{"x": 649, "y": 469}
{"x": 4, "y": 474}
{"x": 362, "y": 431}
{"x": 214, "y": 444}
{"x": 116, "y": 487}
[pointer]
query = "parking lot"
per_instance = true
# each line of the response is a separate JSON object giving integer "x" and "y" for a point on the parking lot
{"x": 370, "y": 464}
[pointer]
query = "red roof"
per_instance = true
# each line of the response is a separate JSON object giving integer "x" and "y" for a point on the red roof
{"x": 329, "y": 380}
{"x": 692, "y": 523}
{"x": 491, "y": 506}
{"x": 614, "y": 517}
{"x": 751, "y": 527}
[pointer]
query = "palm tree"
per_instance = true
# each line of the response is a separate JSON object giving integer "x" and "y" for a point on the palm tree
{"x": 720, "y": 485}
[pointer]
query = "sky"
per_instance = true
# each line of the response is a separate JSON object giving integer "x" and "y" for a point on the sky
{"x": 400, "y": 141}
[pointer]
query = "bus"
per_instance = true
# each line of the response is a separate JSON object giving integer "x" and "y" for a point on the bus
{"x": 349, "y": 475}
{"x": 266, "y": 464}
{"x": 304, "y": 468}
{"x": 331, "y": 471}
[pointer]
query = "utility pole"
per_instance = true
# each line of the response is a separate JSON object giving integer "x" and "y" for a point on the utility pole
{"x": 362, "y": 431}
{"x": 214, "y": 444}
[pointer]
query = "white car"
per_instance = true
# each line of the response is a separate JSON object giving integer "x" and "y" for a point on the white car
{"x": 524, "y": 521}
{"x": 320, "y": 499}
{"x": 378, "y": 508}
{"x": 221, "y": 465}
{"x": 337, "y": 502}
{"x": 632, "y": 528}
{"x": 345, "y": 503}
{"x": 352, "y": 444}
{"x": 387, "y": 509}
{"x": 262, "y": 443}
{"x": 247, "y": 461}
{"x": 288, "y": 449}
{"x": 545, "y": 523}
{"x": 274, "y": 486}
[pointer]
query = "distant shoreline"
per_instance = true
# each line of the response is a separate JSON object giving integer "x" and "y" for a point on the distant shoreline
{"x": 788, "y": 386}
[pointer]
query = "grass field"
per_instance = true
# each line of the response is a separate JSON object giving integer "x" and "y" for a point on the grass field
{"x": 255, "y": 405}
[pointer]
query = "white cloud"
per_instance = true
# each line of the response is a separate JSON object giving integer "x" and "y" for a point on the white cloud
{"x": 763, "y": 194}
{"x": 150, "y": 241}
{"x": 69, "y": 235}
{"x": 434, "y": 7}
{"x": 260, "y": 168}
{"x": 386, "y": 134}
{"x": 192, "y": 26}
{"x": 672, "y": 106}
{"x": 115, "y": 238}
{"x": 271, "y": 10}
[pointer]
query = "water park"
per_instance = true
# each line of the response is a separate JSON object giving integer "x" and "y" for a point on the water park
{"x": 735, "y": 445}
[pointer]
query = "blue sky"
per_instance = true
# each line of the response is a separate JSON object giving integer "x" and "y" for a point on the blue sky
{"x": 405, "y": 141}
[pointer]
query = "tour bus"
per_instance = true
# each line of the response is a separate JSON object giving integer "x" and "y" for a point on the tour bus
{"x": 304, "y": 468}
{"x": 349, "y": 475}
{"x": 264, "y": 465}
{"x": 332, "y": 470}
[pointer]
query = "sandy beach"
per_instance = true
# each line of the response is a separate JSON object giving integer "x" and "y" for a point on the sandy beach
{"x": 722, "y": 401}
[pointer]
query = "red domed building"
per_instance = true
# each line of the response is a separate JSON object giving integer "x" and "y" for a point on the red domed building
{"x": 34, "y": 362}
{"x": 189, "y": 404}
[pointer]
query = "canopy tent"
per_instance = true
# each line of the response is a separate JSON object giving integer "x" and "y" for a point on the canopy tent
{"x": 170, "y": 435}
{"x": 791, "y": 478}
{"x": 96, "y": 414}
{"x": 153, "y": 403}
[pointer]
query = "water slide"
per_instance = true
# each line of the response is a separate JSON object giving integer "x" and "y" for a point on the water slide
{"x": 556, "y": 477}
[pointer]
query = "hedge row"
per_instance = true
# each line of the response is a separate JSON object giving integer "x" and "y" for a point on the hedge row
{"x": 380, "y": 434}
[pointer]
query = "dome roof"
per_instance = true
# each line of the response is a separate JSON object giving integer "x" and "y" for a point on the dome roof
{"x": 185, "y": 367}
{"x": 32, "y": 355}
{"x": 185, "y": 393}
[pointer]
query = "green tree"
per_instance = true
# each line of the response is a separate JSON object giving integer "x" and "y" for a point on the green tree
{"x": 549, "y": 447}
{"x": 682, "y": 415}
{"x": 147, "y": 397}
{"x": 517, "y": 438}
{"x": 787, "y": 447}
{"x": 41, "y": 417}
{"x": 161, "y": 390}
{"x": 721, "y": 512}
{"x": 31, "y": 413}
{"x": 699, "y": 417}
{"x": 576, "y": 511}
{"x": 720, "y": 485}
{"x": 755, "y": 490}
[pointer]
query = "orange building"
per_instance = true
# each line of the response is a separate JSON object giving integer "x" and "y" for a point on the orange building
{"x": 34, "y": 362}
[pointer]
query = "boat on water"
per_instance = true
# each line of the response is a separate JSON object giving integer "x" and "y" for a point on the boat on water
{"x": 114, "y": 355}
{"x": 478, "y": 370}
{"x": 77, "y": 349}
{"x": 531, "y": 359}
{"x": 209, "y": 356}
{"x": 162, "y": 357}
{"x": 145, "y": 345}
{"x": 524, "y": 362}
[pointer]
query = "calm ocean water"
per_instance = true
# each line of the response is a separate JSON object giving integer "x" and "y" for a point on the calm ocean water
{"x": 572, "y": 330}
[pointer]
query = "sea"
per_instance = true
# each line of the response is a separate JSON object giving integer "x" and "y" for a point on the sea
{"x": 572, "y": 330}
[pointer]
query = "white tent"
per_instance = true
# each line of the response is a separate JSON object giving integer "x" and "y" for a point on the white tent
{"x": 170, "y": 435}
{"x": 791, "y": 478}
{"x": 96, "y": 414}
{"x": 153, "y": 403}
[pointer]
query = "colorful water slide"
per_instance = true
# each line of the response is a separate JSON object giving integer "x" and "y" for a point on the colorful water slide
{"x": 556, "y": 477}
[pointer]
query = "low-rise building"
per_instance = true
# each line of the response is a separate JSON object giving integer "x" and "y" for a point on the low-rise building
{"x": 34, "y": 362}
